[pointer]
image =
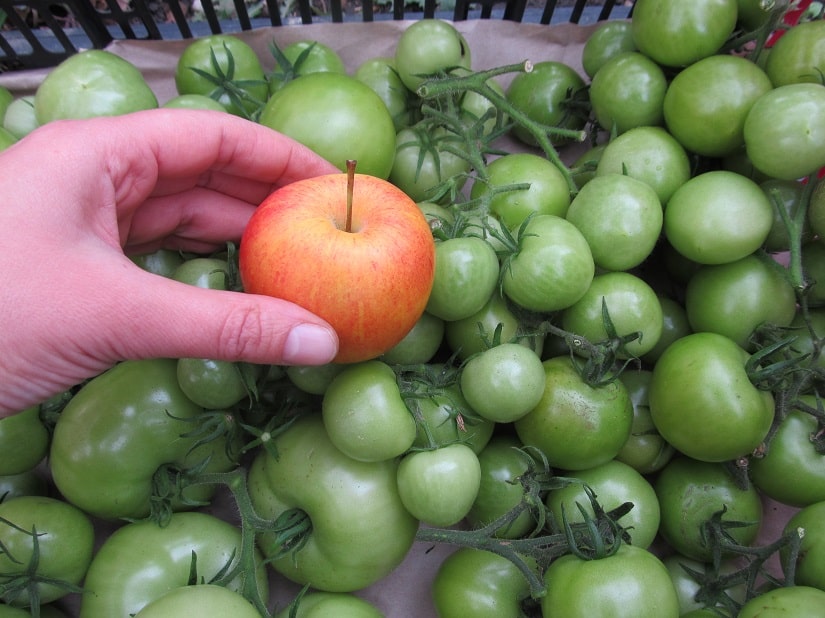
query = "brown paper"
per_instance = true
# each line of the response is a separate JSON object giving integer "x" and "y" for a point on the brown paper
{"x": 405, "y": 593}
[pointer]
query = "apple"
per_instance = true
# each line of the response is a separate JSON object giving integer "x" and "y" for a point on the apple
{"x": 352, "y": 248}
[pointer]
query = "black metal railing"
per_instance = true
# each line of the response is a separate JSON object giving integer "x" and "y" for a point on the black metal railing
{"x": 41, "y": 33}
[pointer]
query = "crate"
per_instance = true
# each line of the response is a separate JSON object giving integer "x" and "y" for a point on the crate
{"x": 23, "y": 46}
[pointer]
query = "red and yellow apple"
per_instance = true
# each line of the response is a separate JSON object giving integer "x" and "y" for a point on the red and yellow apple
{"x": 366, "y": 267}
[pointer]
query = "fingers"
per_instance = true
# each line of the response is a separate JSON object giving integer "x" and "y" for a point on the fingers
{"x": 219, "y": 149}
{"x": 183, "y": 321}
{"x": 189, "y": 221}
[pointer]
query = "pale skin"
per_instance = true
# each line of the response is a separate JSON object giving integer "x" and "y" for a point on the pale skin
{"x": 79, "y": 197}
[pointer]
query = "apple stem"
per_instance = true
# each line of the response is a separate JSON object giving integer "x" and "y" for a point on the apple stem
{"x": 350, "y": 184}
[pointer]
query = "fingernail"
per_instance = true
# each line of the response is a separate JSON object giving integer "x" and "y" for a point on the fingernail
{"x": 309, "y": 344}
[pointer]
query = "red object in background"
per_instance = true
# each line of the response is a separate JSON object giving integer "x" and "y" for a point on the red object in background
{"x": 791, "y": 18}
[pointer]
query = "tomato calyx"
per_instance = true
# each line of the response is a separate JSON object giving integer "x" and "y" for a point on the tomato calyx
{"x": 24, "y": 585}
{"x": 717, "y": 580}
{"x": 226, "y": 85}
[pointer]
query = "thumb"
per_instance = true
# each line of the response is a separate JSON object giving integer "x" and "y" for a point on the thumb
{"x": 184, "y": 321}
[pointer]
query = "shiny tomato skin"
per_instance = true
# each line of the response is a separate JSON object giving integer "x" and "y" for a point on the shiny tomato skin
{"x": 785, "y": 131}
{"x": 621, "y": 218}
{"x": 799, "y": 55}
{"x": 810, "y": 564}
{"x": 92, "y": 83}
{"x": 609, "y": 39}
{"x": 690, "y": 492}
{"x": 786, "y": 601}
{"x": 24, "y": 441}
{"x": 717, "y": 217}
{"x": 632, "y": 305}
{"x": 736, "y": 298}
{"x": 703, "y": 402}
{"x": 628, "y": 91}
{"x": 706, "y": 103}
{"x": 632, "y": 583}
{"x": 65, "y": 545}
{"x": 677, "y": 34}
{"x": 206, "y": 600}
{"x": 478, "y": 583}
{"x": 649, "y": 154}
{"x": 338, "y": 117}
{"x": 543, "y": 94}
{"x": 575, "y": 425}
{"x": 792, "y": 471}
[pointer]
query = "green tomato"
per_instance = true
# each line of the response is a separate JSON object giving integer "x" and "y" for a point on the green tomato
{"x": 214, "y": 384}
{"x": 736, "y": 298}
{"x": 787, "y": 601}
{"x": 785, "y": 131}
{"x": 92, "y": 83}
{"x": 609, "y": 39}
{"x": 206, "y": 59}
{"x": 504, "y": 383}
{"x": 809, "y": 568}
{"x": 339, "y": 604}
{"x": 792, "y": 471}
{"x": 620, "y": 217}
{"x": 690, "y": 493}
{"x": 116, "y": 432}
{"x": 65, "y": 543}
{"x": 162, "y": 262}
{"x": 547, "y": 96}
{"x": 313, "y": 379}
{"x": 6, "y": 97}
{"x": 628, "y": 91}
{"x": 718, "y": 217}
{"x": 502, "y": 462}
{"x": 677, "y": 34}
{"x": 649, "y": 154}
{"x": 799, "y": 55}
{"x": 575, "y": 425}
{"x": 445, "y": 417}
{"x": 614, "y": 483}
{"x": 474, "y": 334}
{"x": 645, "y": 450}
{"x": 687, "y": 586}
{"x": 427, "y": 47}
{"x": 160, "y": 561}
{"x": 438, "y": 486}
{"x": 553, "y": 267}
{"x": 365, "y": 415}
{"x": 703, "y": 402}
{"x": 6, "y": 139}
{"x": 204, "y": 272}
{"x": 20, "y": 118}
{"x": 338, "y": 117}
{"x": 31, "y": 482}
{"x": 675, "y": 324}
{"x": 466, "y": 274}
{"x": 632, "y": 583}
{"x": 422, "y": 163}
{"x": 419, "y": 345}
{"x": 24, "y": 441}
{"x": 381, "y": 75}
{"x": 706, "y": 103}
{"x": 305, "y": 57}
{"x": 546, "y": 193}
{"x": 479, "y": 583}
{"x": 632, "y": 305}
{"x": 360, "y": 531}
{"x": 204, "y": 600}
{"x": 194, "y": 101}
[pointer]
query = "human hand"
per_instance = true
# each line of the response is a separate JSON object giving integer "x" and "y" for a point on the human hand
{"x": 80, "y": 195}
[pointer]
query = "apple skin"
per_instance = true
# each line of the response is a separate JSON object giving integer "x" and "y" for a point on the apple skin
{"x": 371, "y": 284}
